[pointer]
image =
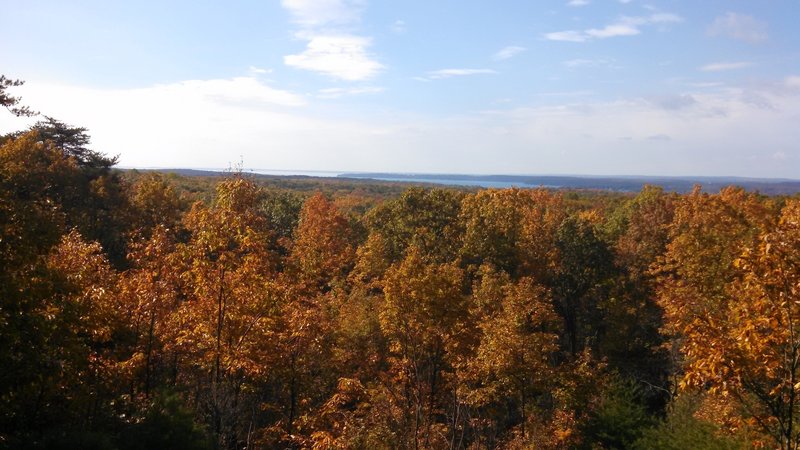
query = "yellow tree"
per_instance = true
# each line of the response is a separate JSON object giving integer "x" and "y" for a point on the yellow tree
{"x": 493, "y": 222}
{"x": 754, "y": 357}
{"x": 538, "y": 240}
{"x": 86, "y": 320}
{"x": 155, "y": 203}
{"x": 517, "y": 344}
{"x": 224, "y": 324}
{"x": 514, "y": 230}
{"x": 696, "y": 279}
{"x": 425, "y": 318}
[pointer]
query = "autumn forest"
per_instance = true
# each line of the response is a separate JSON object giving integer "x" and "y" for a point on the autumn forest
{"x": 144, "y": 310}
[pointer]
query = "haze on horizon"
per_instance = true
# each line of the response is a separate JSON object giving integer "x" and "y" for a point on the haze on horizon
{"x": 595, "y": 87}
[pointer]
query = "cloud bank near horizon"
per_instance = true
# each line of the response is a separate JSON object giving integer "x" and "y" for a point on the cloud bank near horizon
{"x": 211, "y": 123}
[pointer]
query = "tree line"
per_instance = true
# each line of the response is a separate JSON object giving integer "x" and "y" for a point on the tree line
{"x": 134, "y": 318}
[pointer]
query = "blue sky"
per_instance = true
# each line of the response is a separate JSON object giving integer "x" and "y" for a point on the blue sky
{"x": 534, "y": 87}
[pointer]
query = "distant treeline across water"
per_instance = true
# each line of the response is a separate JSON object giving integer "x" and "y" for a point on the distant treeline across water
{"x": 769, "y": 186}
{"x": 618, "y": 183}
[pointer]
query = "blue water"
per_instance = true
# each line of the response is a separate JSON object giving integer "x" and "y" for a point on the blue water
{"x": 432, "y": 180}
{"x": 478, "y": 183}
{"x": 302, "y": 173}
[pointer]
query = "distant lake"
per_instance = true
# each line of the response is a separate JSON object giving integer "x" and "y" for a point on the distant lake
{"x": 460, "y": 182}
{"x": 416, "y": 179}
{"x": 296, "y": 173}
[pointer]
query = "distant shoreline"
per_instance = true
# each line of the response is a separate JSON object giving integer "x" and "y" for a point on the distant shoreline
{"x": 622, "y": 183}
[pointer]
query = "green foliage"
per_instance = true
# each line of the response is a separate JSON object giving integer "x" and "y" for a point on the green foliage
{"x": 282, "y": 211}
{"x": 422, "y": 218}
{"x": 73, "y": 142}
{"x": 680, "y": 430}
{"x": 619, "y": 418}
{"x": 166, "y": 424}
{"x": 581, "y": 282}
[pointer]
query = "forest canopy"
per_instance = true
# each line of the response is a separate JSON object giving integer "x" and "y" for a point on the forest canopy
{"x": 147, "y": 310}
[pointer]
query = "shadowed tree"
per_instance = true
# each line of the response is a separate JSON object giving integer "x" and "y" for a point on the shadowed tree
{"x": 10, "y": 102}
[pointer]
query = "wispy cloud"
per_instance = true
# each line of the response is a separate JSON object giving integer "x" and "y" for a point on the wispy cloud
{"x": 508, "y": 52}
{"x": 624, "y": 26}
{"x": 318, "y": 13}
{"x": 331, "y": 48}
{"x": 449, "y": 73}
{"x": 674, "y": 102}
{"x": 578, "y": 3}
{"x": 584, "y": 93}
{"x": 613, "y": 30}
{"x": 341, "y": 92}
{"x": 399, "y": 26}
{"x": 721, "y": 66}
{"x": 566, "y": 36}
{"x": 740, "y": 27}
{"x": 253, "y": 70}
{"x": 582, "y": 63}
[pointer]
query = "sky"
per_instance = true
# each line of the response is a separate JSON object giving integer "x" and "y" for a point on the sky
{"x": 593, "y": 87}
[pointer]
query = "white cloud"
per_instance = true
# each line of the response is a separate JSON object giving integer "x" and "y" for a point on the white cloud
{"x": 508, "y": 52}
{"x": 566, "y": 36}
{"x": 624, "y": 26}
{"x": 449, "y": 73}
{"x": 720, "y": 66}
{"x": 340, "y": 56}
{"x": 619, "y": 29}
{"x": 331, "y": 49}
{"x": 740, "y": 27}
{"x": 399, "y": 26}
{"x": 792, "y": 82}
{"x": 317, "y": 13}
{"x": 341, "y": 92}
{"x": 242, "y": 91}
{"x": 578, "y": 3}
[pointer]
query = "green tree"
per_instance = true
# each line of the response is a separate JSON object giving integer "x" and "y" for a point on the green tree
{"x": 682, "y": 430}
{"x": 423, "y": 218}
{"x": 619, "y": 418}
{"x": 581, "y": 282}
